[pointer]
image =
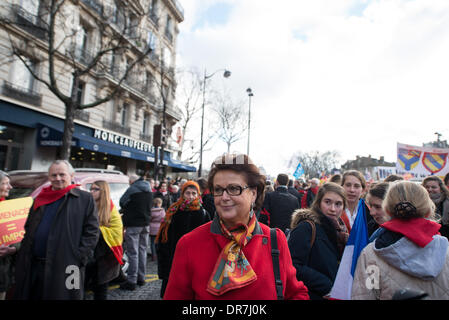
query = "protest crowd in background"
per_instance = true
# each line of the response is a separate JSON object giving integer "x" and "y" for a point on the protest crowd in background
{"x": 338, "y": 236}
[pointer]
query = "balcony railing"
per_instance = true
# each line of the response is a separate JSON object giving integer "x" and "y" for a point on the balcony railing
{"x": 154, "y": 18}
{"x": 179, "y": 8}
{"x": 22, "y": 94}
{"x": 95, "y": 5}
{"x": 145, "y": 137}
{"x": 82, "y": 115}
{"x": 31, "y": 23}
{"x": 84, "y": 56}
{"x": 114, "y": 126}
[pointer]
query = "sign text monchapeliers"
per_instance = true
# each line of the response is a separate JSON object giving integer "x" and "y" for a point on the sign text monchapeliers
{"x": 123, "y": 141}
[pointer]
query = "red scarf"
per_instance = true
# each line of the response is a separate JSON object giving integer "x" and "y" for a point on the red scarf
{"x": 418, "y": 230}
{"x": 47, "y": 195}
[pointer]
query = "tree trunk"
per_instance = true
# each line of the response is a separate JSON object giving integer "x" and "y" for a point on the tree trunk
{"x": 69, "y": 129}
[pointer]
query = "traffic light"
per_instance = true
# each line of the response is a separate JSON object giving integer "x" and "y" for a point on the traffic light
{"x": 159, "y": 135}
{"x": 163, "y": 136}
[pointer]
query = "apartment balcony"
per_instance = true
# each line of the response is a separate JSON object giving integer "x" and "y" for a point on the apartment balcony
{"x": 84, "y": 56}
{"x": 23, "y": 94}
{"x": 82, "y": 115}
{"x": 30, "y": 23}
{"x": 179, "y": 10}
{"x": 94, "y": 5}
{"x": 145, "y": 137}
{"x": 114, "y": 126}
{"x": 154, "y": 18}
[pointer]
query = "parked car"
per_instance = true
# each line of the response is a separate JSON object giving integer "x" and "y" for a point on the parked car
{"x": 30, "y": 182}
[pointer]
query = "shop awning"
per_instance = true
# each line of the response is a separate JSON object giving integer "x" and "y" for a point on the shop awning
{"x": 49, "y": 136}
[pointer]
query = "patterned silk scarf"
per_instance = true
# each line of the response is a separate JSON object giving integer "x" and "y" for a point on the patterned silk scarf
{"x": 183, "y": 205}
{"x": 232, "y": 269}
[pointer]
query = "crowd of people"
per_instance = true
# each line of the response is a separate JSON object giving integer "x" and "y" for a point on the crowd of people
{"x": 232, "y": 235}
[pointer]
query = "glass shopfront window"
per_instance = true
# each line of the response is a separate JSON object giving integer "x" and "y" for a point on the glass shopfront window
{"x": 11, "y": 146}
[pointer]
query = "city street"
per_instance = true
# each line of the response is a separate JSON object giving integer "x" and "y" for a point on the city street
{"x": 149, "y": 291}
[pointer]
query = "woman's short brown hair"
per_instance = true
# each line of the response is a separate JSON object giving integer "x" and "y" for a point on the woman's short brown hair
{"x": 241, "y": 164}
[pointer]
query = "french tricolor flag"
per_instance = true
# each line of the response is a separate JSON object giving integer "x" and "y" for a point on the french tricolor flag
{"x": 358, "y": 239}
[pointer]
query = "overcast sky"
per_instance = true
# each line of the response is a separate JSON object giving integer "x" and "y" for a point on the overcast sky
{"x": 353, "y": 76}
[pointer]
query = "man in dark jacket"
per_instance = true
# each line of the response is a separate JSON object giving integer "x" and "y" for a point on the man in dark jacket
{"x": 61, "y": 233}
{"x": 136, "y": 205}
{"x": 292, "y": 190}
{"x": 280, "y": 204}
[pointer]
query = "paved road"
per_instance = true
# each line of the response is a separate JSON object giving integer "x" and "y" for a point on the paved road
{"x": 149, "y": 291}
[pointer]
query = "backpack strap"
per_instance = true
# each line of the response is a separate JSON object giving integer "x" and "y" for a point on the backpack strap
{"x": 277, "y": 273}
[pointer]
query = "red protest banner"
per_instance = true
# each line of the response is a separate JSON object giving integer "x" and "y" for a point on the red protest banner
{"x": 13, "y": 215}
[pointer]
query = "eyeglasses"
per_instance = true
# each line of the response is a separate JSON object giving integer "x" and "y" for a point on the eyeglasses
{"x": 232, "y": 190}
{"x": 94, "y": 189}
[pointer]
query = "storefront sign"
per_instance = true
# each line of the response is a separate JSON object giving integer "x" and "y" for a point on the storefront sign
{"x": 123, "y": 141}
{"x": 13, "y": 214}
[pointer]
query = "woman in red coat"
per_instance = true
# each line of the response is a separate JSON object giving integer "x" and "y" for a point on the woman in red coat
{"x": 230, "y": 257}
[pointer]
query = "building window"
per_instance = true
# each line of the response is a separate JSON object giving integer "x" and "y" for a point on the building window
{"x": 82, "y": 45}
{"x": 151, "y": 40}
{"x": 153, "y": 7}
{"x": 80, "y": 91}
{"x": 166, "y": 57}
{"x": 124, "y": 115}
{"x": 153, "y": 11}
{"x": 31, "y": 7}
{"x": 145, "y": 123}
{"x": 21, "y": 75}
{"x": 169, "y": 28}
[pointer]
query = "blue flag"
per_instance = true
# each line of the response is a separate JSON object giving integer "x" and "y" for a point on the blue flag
{"x": 299, "y": 171}
{"x": 358, "y": 239}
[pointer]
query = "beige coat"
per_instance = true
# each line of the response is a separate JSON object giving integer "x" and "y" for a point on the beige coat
{"x": 382, "y": 272}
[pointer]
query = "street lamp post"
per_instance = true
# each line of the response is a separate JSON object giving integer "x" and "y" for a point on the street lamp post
{"x": 226, "y": 74}
{"x": 250, "y": 94}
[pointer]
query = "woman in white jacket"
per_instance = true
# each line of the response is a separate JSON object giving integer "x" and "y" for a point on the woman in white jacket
{"x": 409, "y": 254}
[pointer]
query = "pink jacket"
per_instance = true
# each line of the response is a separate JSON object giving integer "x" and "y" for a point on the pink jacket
{"x": 157, "y": 214}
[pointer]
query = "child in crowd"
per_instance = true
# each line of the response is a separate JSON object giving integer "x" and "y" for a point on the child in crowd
{"x": 157, "y": 214}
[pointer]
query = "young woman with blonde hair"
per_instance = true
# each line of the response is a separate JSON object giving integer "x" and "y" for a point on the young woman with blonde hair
{"x": 109, "y": 251}
{"x": 409, "y": 254}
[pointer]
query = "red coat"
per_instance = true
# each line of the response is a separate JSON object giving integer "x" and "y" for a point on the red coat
{"x": 197, "y": 252}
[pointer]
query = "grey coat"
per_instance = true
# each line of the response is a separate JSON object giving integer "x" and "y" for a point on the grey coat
{"x": 71, "y": 242}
